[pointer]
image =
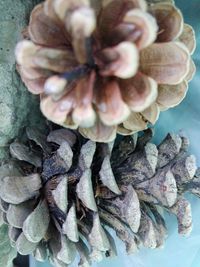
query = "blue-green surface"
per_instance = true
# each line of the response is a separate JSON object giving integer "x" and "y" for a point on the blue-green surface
{"x": 178, "y": 251}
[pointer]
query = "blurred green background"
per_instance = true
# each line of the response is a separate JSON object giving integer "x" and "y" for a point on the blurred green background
{"x": 178, "y": 251}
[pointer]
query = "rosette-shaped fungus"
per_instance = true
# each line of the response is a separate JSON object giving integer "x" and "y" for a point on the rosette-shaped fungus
{"x": 106, "y": 67}
{"x": 60, "y": 194}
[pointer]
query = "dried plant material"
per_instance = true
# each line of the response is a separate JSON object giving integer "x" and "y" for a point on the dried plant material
{"x": 22, "y": 152}
{"x": 16, "y": 190}
{"x": 193, "y": 186}
{"x": 106, "y": 67}
{"x": 169, "y": 19}
{"x": 126, "y": 208}
{"x": 139, "y": 92}
{"x": 67, "y": 253}
{"x": 160, "y": 1}
{"x": 188, "y": 38}
{"x": 135, "y": 123}
{"x": 120, "y": 61}
{"x": 85, "y": 191}
{"x": 96, "y": 255}
{"x": 152, "y": 113}
{"x": 161, "y": 189}
{"x": 99, "y": 132}
{"x": 13, "y": 234}
{"x": 124, "y": 186}
{"x": 182, "y": 210}
{"x": 98, "y": 238}
{"x": 56, "y": 163}
{"x": 131, "y": 209}
{"x": 86, "y": 155}
{"x": 60, "y": 194}
{"x": 17, "y": 214}
{"x": 121, "y": 230}
{"x": 192, "y": 71}
{"x": 4, "y": 206}
{"x": 84, "y": 254}
{"x": 36, "y": 224}
{"x": 38, "y": 138}
{"x": 107, "y": 176}
{"x": 185, "y": 169}
{"x": 160, "y": 67}
{"x": 40, "y": 254}
{"x": 66, "y": 154}
{"x": 70, "y": 227}
{"x": 159, "y": 226}
{"x": 106, "y": 173}
{"x": 169, "y": 96}
{"x": 173, "y": 143}
{"x": 112, "y": 250}
{"x": 147, "y": 232}
{"x": 23, "y": 246}
{"x": 62, "y": 135}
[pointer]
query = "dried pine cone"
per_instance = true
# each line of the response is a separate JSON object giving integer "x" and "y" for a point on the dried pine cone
{"x": 109, "y": 66}
{"x": 59, "y": 194}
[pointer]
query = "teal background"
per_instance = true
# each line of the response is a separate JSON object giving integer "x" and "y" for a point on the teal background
{"x": 178, "y": 251}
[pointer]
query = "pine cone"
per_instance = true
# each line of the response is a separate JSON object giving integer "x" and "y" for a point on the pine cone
{"x": 108, "y": 66}
{"x": 59, "y": 194}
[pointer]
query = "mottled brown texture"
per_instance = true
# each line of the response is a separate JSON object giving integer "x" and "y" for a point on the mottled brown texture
{"x": 84, "y": 187}
{"x": 99, "y": 66}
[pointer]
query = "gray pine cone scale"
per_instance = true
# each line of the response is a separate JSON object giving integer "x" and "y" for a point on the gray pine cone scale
{"x": 61, "y": 193}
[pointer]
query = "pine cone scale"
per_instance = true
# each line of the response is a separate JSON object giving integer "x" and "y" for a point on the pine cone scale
{"x": 169, "y": 18}
{"x": 116, "y": 46}
{"x": 70, "y": 211}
